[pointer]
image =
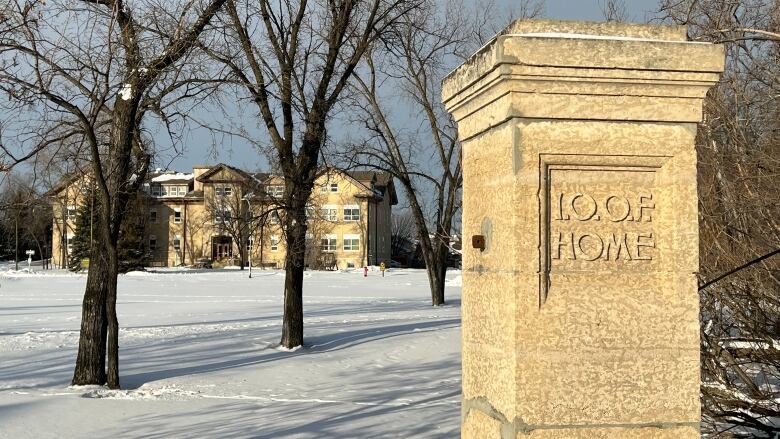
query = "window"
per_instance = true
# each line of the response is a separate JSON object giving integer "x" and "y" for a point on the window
{"x": 176, "y": 215}
{"x": 221, "y": 191}
{"x": 182, "y": 191}
{"x": 329, "y": 213}
{"x": 152, "y": 243}
{"x": 351, "y": 242}
{"x": 71, "y": 213}
{"x": 310, "y": 213}
{"x": 221, "y": 215}
{"x": 352, "y": 213}
{"x": 329, "y": 187}
{"x": 328, "y": 243}
{"x": 177, "y": 242}
{"x": 156, "y": 190}
{"x": 274, "y": 218}
{"x": 153, "y": 216}
{"x": 274, "y": 243}
{"x": 275, "y": 191}
{"x": 67, "y": 241}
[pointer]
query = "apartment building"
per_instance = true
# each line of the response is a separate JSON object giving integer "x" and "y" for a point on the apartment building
{"x": 226, "y": 216}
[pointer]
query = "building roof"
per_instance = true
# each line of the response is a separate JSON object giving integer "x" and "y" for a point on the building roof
{"x": 172, "y": 177}
{"x": 380, "y": 181}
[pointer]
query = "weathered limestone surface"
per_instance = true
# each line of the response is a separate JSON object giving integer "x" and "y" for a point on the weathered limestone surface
{"x": 580, "y": 317}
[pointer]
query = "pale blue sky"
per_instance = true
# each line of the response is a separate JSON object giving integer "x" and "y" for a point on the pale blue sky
{"x": 237, "y": 152}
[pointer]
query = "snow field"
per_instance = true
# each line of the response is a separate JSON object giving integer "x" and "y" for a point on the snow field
{"x": 199, "y": 357}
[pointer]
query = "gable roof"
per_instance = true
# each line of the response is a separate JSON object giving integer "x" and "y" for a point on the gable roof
{"x": 243, "y": 176}
{"x": 381, "y": 181}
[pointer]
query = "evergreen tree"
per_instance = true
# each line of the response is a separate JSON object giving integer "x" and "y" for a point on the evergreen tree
{"x": 86, "y": 224}
{"x": 131, "y": 249}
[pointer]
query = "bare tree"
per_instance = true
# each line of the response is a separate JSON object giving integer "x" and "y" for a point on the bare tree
{"x": 739, "y": 172}
{"x": 402, "y": 233}
{"x": 426, "y": 160}
{"x": 614, "y": 10}
{"x": 92, "y": 69}
{"x": 26, "y": 218}
{"x": 293, "y": 60}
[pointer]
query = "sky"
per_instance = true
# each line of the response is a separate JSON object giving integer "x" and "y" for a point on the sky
{"x": 200, "y": 148}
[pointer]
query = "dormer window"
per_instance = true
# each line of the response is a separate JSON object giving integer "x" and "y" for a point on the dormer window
{"x": 156, "y": 190}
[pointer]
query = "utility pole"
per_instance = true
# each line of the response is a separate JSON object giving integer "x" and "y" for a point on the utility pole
{"x": 16, "y": 237}
{"x": 248, "y": 248}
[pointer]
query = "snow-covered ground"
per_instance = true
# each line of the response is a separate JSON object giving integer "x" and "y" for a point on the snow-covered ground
{"x": 198, "y": 357}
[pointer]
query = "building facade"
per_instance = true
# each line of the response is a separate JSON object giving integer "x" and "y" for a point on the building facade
{"x": 222, "y": 215}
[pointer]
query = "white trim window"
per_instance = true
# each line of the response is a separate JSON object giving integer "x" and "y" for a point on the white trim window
{"x": 275, "y": 191}
{"x": 351, "y": 243}
{"x": 329, "y": 187}
{"x": 329, "y": 213}
{"x": 67, "y": 241}
{"x": 223, "y": 191}
{"x": 70, "y": 213}
{"x": 153, "y": 216}
{"x": 177, "y": 215}
{"x": 222, "y": 215}
{"x": 352, "y": 212}
{"x": 152, "y": 242}
{"x": 274, "y": 243}
{"x": 182, "y": 191}
{"x": 177, "y": 242}
{"x": 328, "y": 243}
{"x": 156, "y": 190}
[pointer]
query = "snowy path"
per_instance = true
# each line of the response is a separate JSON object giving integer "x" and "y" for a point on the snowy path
{"x": 198, "y": 358}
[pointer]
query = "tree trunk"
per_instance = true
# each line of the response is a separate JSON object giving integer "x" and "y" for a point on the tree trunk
{"x": 437, "y": 272}
{"x": 112, "y": 377}
{"x": 292, "y": 325}
{"x": 16, "y": 240}
{"x": 91, "y": 357}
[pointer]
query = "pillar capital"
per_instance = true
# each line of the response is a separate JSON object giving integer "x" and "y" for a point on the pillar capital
{"x": 571, "y": 70}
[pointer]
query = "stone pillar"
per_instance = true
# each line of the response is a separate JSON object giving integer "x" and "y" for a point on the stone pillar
{"x": 581, "y": 316}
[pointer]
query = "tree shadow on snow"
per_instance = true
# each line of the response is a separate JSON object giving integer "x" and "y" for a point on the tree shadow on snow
{"x": 250, "y": 356}
{"x": 406, "y": 400}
